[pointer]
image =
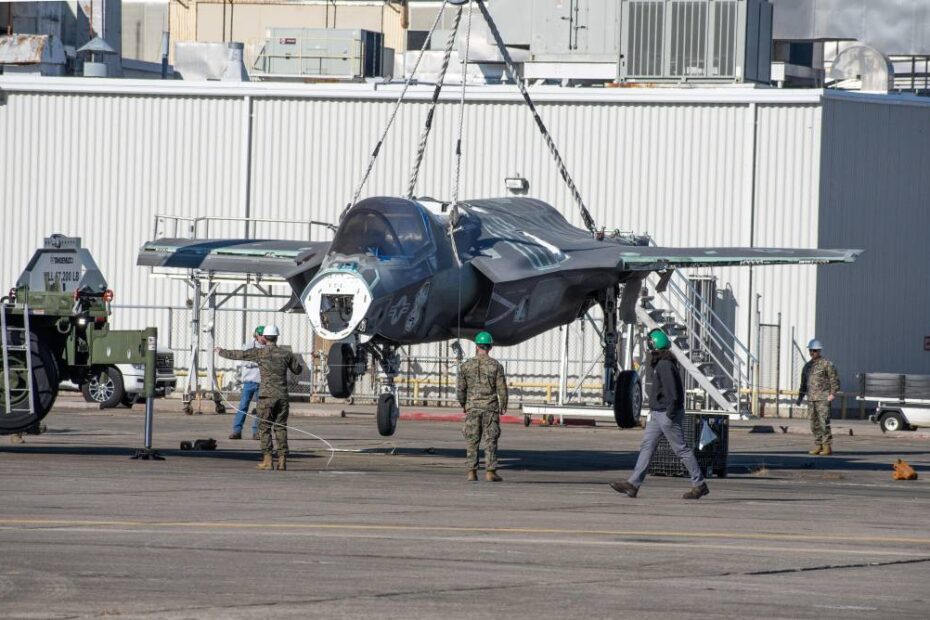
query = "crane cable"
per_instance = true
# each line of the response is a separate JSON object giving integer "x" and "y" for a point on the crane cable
{"x": 400, "y": 100}
{"x": 428, "y": 125}
{"x": 454, "y": 212}
{"x": 512, "y": 74}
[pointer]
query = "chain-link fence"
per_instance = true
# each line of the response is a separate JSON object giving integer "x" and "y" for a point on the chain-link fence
{"x": 563, "y": 365}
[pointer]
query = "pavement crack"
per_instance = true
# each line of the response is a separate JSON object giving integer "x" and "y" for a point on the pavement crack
{"x": 806, "y": 569}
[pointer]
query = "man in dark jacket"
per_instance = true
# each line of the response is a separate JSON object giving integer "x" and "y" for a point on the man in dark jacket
{"x": 667, "y": 405}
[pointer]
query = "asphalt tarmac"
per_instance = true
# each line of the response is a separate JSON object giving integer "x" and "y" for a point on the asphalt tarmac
{"x": 389, "y": 527}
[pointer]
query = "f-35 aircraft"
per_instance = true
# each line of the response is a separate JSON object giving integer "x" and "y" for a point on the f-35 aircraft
{"x": 399, "y": 272}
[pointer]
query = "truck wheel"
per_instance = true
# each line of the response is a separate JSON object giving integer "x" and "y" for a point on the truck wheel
{"x": 45, "y": 379}
{"x": 128, "y": 400}
{"x": 340, "y": 376}
{"x": 628, "y": 399}
{"x": 892, "y": 422}
{"x": 104, "y": 386}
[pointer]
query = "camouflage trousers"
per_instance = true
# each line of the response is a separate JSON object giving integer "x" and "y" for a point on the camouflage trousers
{"x": 479, "y": 422}
{"x": 819, "y": 412}
{"x": 273, "y": 414}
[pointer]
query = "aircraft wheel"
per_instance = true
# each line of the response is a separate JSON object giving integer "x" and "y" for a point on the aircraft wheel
{"x": 340, "y": 377}
{"x": 628, "y": 399}
{"x": 387, "y": 415}
{"x": 45, "y": 380}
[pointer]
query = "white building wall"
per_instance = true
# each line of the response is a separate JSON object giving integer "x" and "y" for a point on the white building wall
{"x": 100, "y": 158}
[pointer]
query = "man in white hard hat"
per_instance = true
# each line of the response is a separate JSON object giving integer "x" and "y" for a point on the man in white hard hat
{"x": 820, "y": 383}
{"x": 273, "y": 407}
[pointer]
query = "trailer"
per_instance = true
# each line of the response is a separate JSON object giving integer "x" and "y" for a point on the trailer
{"x": 54, "y": 326}
{"x": 903, "y": 400}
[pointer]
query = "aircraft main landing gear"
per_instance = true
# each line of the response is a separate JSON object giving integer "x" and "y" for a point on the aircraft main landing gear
{"x": 340, "y": 376}
{"x": 622, "y": 388}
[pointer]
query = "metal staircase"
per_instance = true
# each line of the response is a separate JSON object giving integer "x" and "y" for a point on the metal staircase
{"x": 17, "y": 381}
{"x": 711, "y": 354}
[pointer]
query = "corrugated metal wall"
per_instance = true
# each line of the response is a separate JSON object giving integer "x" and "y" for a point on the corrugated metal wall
{"x": 676, "y": 164}
{"x": 874, "y": 316}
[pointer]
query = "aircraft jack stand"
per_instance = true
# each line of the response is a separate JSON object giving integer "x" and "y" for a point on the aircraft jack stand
{"x": 147, "y": 453}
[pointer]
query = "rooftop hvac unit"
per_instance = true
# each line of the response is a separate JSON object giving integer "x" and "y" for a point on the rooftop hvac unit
{"x": 696, "y": 40}
{"x": 320, "y": 52}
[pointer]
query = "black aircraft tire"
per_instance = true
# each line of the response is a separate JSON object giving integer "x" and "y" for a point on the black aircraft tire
{"x": 628, "y": 399}
{"x": 387, "y": 415}
{"x": 340, "y": 376}
{"x": 104, "y": 386}
{"x": 45, "y": 379}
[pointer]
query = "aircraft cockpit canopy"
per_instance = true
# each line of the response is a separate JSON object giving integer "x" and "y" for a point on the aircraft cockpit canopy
{"x": 386, "y": 229}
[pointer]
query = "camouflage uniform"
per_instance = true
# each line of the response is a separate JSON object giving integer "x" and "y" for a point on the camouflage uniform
{"x": 482, "y": 392}
{"x": 819, "y": 380}
{"x": 273, "y": 364}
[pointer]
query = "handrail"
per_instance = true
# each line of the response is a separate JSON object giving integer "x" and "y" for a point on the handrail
{"x": 713, "y": 336}
{"x": 193, "y": 223}
{"x": 677, "y": 295}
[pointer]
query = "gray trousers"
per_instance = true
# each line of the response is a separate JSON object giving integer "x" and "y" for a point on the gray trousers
{"x": 660, "y": 423}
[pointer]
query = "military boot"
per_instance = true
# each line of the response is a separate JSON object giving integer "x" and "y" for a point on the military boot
{"x": 282, "y": 462}
{"x": 472, "y": 475}
{"x": 17, "y": 438}
{"x": 491, "y": 476}
{"x": 266, "y": 462}
{"x": 815, "y": 450}
{"x": 826, "y": 451}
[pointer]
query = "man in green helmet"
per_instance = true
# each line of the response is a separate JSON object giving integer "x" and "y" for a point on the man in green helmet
{"x": 482, "y": 392}
{"x": 667, "y": 411}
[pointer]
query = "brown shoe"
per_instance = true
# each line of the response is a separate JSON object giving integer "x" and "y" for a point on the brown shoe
{"x": 491, "y": 476}
{"x": 266, "y": 462}
{"x": 236, "y": 436}
{"x": 697, "y": 492}
{"x": 17, "y": 438}
{"x": 826, "y": 451}
{"x": 282, "y": 462}
{"x": 472, "y": 475}
{"x": 815, "y": 450}
{"x": 622, "y": 486}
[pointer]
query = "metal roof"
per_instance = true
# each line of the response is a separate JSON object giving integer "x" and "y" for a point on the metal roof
{"x": 735, "y": 94}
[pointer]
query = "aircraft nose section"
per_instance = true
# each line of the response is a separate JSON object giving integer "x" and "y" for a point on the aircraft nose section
{"x": 336, "y": 304}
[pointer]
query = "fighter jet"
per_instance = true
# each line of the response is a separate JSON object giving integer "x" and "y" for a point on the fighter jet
{"x": 402, "y": 271}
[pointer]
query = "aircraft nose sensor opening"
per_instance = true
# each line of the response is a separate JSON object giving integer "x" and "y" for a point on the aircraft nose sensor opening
{"x": 336, "y": 304}
{"x": 336, "y": 312}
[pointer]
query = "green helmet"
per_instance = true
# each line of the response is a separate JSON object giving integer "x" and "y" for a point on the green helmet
{"x": 484, "y": 338}
{"x": 260, "y": 330}
{"x": 658, "y": 340}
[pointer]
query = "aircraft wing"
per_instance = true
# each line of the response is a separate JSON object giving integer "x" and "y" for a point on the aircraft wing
{"x": 646, "y": 258}
{"x": 262, "y": 257}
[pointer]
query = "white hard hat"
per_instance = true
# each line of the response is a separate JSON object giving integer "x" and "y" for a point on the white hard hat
{"x": 271, "y": 330}
{"x": 813, "y": 345}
